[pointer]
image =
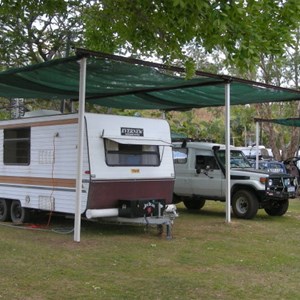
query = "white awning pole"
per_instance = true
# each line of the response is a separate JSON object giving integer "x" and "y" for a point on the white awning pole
{"x": 227, "y": 152}
{"x": 257, "y": 145}
{"x": 81, "y": 109}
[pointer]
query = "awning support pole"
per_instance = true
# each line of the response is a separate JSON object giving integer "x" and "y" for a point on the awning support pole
{"x": 257, "y": 144}
{"x": 81, "y": 109}
{"x": 227, "y": 152}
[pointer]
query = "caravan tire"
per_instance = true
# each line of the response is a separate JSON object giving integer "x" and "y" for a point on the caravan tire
{"x": 18, "y": 213}
{"x": 4, "y": 210}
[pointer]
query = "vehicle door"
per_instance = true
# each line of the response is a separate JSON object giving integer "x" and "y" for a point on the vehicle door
{"x": 182, "y": 160}
{"x": 207, "y": 178}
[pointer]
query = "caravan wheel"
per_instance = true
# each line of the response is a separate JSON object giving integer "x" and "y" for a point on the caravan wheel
{"x": 4, "y": 210}
{"x": 18, "y": 213}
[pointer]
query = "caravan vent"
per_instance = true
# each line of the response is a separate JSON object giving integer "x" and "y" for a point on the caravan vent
{"x": 46, "y": 157}
{"x": 46, "y": 203}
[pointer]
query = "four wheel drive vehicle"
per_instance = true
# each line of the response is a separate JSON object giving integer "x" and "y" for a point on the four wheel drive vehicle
{"x": 292, "y": 166}
{"x": 250, "y": 152}
{"x": 270, "y": 166}
{"x": 200, "y": 176}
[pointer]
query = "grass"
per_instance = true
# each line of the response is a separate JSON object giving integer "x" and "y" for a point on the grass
{"x": 206, "y": 259}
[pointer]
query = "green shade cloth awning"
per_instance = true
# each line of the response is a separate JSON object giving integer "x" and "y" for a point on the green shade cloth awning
{"x": 119, "y": 82}
{"x": 286, "y": 122}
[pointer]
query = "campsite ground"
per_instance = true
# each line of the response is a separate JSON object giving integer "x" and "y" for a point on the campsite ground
{"x": 206, "y": 259}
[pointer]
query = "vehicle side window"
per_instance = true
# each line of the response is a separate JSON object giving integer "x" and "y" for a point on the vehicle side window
{"x": 203, "y": 161}
{"x": 180, "y": 155}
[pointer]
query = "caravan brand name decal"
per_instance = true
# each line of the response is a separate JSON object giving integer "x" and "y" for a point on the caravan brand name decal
{"x": 132, "y": 131}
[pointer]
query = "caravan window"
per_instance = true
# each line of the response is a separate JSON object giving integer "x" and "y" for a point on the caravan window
{"x": 16, "y": 146}
{"x": 118, "y": 154}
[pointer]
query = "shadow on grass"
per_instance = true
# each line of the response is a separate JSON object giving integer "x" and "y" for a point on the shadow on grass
{"x": 212, "y": 212}
{"x": 202, "y": 212}
{"x": 65, "y": 225}
{"x": 107, "y": 228}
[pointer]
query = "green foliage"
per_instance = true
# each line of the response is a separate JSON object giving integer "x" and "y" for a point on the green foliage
{"x": 242, "y": 29}
{"x": 249, "y": 36}
{"x": 4, "y": 115}
{"x": 37, "y": 31}
{"x": 242, "y": 124}
{"x": 197, "y": 124}
{"x": 278, "y": 137}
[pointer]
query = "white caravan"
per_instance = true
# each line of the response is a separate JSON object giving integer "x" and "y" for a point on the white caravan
{"x": 127, "y": 161}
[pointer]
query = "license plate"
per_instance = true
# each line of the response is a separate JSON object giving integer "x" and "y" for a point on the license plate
{"x": 275, "y": 170}
{"x": 291, "y": 189}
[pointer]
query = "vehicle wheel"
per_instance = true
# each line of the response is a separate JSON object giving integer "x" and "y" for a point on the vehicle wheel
{"x": 4, "y": 210}
{"x": 278, "y": 208}
{"x": 194, "y": 203}
{"x": 18, "y": 213}
{"x": 244, "y": 204}
{"x": 176, "y": 199}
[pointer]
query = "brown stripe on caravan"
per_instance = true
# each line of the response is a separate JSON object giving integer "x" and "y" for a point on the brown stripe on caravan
{"x": 41, "y": 123}
{"x": 39, "y": 181}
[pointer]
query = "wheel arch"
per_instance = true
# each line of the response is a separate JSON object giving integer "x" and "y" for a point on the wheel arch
{"x": 249, "y": 188}
{"x": 10, "y": 199}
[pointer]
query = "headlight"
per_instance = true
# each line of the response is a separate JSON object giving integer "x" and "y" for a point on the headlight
{"x": 287, "y": 182}
{"x": 270, "y": 182}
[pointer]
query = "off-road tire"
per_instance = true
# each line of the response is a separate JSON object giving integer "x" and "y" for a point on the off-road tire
{"x": 244, "y": 204}
{"x": 176, "y": 199}
{"x": 194, "y": 203}
{"x": 278, "y": 208}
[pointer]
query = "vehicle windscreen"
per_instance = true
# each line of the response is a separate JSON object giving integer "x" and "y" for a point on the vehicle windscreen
{"x": 270, "y": 166}
{"x": 237, "y": 159}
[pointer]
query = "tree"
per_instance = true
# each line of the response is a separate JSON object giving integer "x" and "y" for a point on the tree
{"x": 184, "y": 31}
{"x": 37, "y": 31}
{"x": 283, "y": 71}
{"x": 242, "y": 29}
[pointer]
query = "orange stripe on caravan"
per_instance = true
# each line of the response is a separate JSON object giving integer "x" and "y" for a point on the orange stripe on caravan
{"x": 39, "y": 181}
{"x": 41, "y": 123}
